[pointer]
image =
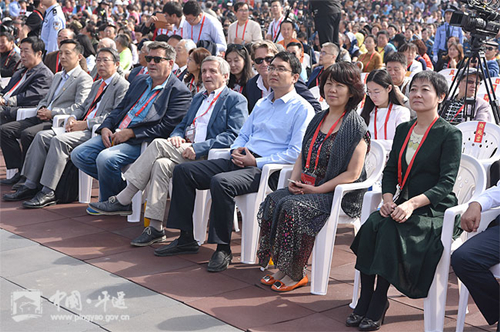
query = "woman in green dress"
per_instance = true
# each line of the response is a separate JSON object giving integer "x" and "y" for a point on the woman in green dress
{"x": 401, "y": 243}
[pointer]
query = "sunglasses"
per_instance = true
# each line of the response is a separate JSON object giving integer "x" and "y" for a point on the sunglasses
{"x": 157, "y": 59}
{"x": 267, "y": 59}
{"x": 490, "y": 48}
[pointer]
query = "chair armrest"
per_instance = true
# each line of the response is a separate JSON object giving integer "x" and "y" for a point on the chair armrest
{"x": 449, "y": 223}
{"x": 285, "y": 174}
{"x": 487, "y": 217}
{"x": 219, "y": 153}
{"x": 60, "y": 120}
{"x": 94, "y": 129}
{"x": 24, "y": 113}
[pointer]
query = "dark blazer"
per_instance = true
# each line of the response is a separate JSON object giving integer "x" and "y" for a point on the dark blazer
{"x": 434, "y": 170}
{"x": 229, "y": 113}
{"x": 254, "y": 93}
{"x": 33, "y": 89}
{"x": 314, "y": 75}
{"x": 51, "y": 60}
{"x": 134, "y": 73}
{"x": 167, "y": 110}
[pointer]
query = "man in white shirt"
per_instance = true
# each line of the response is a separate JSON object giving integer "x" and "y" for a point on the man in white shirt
{"x": 273, "y": 33}
{"x": 202, "y": 26}
{"x": 472, "y": 261}
{"x": 244, "y": 30}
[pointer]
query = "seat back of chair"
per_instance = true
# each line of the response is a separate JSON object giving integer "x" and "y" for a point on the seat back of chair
{"x": 471, "y": 179}
{"x": 375, "y": 161}
{"x": 474, "y": 145}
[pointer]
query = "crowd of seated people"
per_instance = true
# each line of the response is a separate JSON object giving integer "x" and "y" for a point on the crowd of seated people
{"x": 157, "y": 96}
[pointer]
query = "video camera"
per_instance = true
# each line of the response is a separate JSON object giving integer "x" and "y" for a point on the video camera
{"x": 480, "y": 24}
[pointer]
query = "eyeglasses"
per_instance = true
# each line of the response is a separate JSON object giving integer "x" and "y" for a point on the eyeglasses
{"x": 267, "y": 59}
{"x": 324, "y": 53}
{"x": 99, "y": 60}
{"x": 157, "y": 59}
{"x": 490, "y": 48}
{"x": 277, "y": 69}
{"x": 471, "y": 82}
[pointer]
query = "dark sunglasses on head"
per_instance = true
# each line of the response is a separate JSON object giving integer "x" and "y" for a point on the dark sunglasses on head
{"x": 268, "y": 59}
{"x": 156, "y": 59}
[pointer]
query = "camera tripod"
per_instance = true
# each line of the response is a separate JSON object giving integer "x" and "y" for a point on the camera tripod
{"x": 474, "y": 55}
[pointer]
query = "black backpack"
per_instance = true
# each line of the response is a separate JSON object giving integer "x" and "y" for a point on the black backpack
{"x": 67, "y": 188}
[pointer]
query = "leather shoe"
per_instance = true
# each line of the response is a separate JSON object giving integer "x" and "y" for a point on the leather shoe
{"x": 21, "y": 194}
{"x": 175, "y": 248}
{"x": 12, "y": 180}
{"x": 149, "y": 236}
{"x": 220, "y": 261}
{"x": 267, "y": 280}
{"x": 41, "y": 200}
{"x": 353, "y": 320}
{"x": 19, "y": 183}
{"x": 368, "y": 324}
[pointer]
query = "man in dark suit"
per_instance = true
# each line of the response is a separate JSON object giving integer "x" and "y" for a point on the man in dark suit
{"x": 49, "y": 153}
{"x": 153, "y": 106}
{"x": 213, "y": 121}
{"x": 69, "y": 87}
{"x": 182, "y": 49}
{"x": 29, "y": 84}
{"x": 9, "y": 58}
{"x": 258, "y": 86}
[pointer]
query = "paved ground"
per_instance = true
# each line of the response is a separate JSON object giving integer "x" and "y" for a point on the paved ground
{"x": 60, "y": 255}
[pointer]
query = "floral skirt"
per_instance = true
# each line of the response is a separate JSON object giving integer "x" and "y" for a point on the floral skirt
{"x": 289, "y": 224}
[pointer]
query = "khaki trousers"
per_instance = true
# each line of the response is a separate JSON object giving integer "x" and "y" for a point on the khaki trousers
{"x": 155, "y": 166}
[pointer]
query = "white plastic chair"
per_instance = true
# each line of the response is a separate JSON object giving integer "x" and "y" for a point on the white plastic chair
{"x": 138, "y": 197}
{"x": 486, "y": 218}
{"x": 248, "y": 205}
{"x": 488, "y": 150}
{"x": 470, "y": 182}
{"x": 21, "y": 114}
{"x": 325, "y": 240}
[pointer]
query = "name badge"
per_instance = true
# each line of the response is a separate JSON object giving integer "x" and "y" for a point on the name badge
{"x": 125, "y": 122}
{"x": 190, "y": 134}
{"x": 308, "y": 178}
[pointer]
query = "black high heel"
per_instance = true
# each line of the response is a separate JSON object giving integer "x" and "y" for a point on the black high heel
{"x": 353, "y": 320}
{"x": 368, "y": 324}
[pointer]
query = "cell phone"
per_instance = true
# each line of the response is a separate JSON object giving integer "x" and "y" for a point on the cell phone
{"x": 292, "y": 181}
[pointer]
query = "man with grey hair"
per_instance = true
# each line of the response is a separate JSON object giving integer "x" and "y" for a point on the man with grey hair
{"x": 182, "y": 50}
{"x": 329, "y": 52}
{"x": 152, "y": 107}
{"x": 212, "y": 122}
{"x": 142, "y": 68}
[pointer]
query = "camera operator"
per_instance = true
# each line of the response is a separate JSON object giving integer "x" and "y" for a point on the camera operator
{"x": 455, "y": 110}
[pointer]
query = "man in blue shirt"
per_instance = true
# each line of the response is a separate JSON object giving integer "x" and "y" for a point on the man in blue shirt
{"x": 153, "y": 106}
{"x": 272, "y": 134}
{"x": 444, "y": 32}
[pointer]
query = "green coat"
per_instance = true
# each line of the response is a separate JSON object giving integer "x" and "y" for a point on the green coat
{"x": 407, "y": 254}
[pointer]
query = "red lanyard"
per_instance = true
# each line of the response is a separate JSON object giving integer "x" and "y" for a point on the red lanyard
{"x": 6, "y": 63}
{"x": 208, "y": 109}
{"x": 400, "y": 170}
{"x": 318, "y": 77}
{"x": 201, "y": 29}
{"x": 368, "y": 60}
{"x": 145, "y": 105}
{"x": 275, "y": 29}
{"x": 244, "y": 29}
{"x": 195, "y": 85}
{"x": 332, "y": 128}
{"x": 386, "y": 120}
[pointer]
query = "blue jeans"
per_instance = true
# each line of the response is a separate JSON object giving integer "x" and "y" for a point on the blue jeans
{"x": 105, "y": 164}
